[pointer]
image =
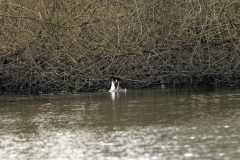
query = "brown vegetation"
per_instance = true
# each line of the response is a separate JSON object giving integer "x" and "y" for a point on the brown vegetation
{"x": 76, "y": 45}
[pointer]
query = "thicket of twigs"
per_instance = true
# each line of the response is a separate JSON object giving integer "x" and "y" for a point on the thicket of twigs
{"x": 59, "y": 45}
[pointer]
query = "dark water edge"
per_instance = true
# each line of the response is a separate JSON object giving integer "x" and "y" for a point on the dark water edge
{"x": 105, "y": 89}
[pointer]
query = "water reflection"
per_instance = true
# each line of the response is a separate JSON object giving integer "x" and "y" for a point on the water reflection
{"x": 116, "y": 95}
{"x": 149, "y": 124}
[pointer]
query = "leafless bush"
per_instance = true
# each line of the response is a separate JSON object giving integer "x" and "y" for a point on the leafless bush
{"x": 76, "y": 45}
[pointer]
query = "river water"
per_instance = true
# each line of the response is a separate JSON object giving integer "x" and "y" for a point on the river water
{"x": 142, "y": 124}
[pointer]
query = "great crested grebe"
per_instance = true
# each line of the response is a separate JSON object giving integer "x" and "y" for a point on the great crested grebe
{"x": 118, "y": 85}
{"x": 113, "y": 88}
{"x": 113, "y": 81}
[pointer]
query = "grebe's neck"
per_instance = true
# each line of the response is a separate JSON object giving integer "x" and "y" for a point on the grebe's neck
{"x": 112, "y": 89}
{"x": 118, "y": 87}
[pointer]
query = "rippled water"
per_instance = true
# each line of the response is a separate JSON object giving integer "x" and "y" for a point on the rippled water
{"x": 146, "y": 124}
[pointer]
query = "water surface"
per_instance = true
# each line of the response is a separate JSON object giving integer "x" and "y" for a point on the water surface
{"x": 145, "y": 124}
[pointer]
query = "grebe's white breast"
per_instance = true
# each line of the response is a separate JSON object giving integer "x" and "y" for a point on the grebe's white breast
{"x": 113, "y": 88}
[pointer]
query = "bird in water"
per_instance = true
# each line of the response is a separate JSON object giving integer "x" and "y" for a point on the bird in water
{"x": 118, "y": 85}
{"x": 115, "y": 85}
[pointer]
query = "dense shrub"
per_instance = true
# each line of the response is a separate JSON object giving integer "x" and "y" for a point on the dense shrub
{"x": 58, "y": 45}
